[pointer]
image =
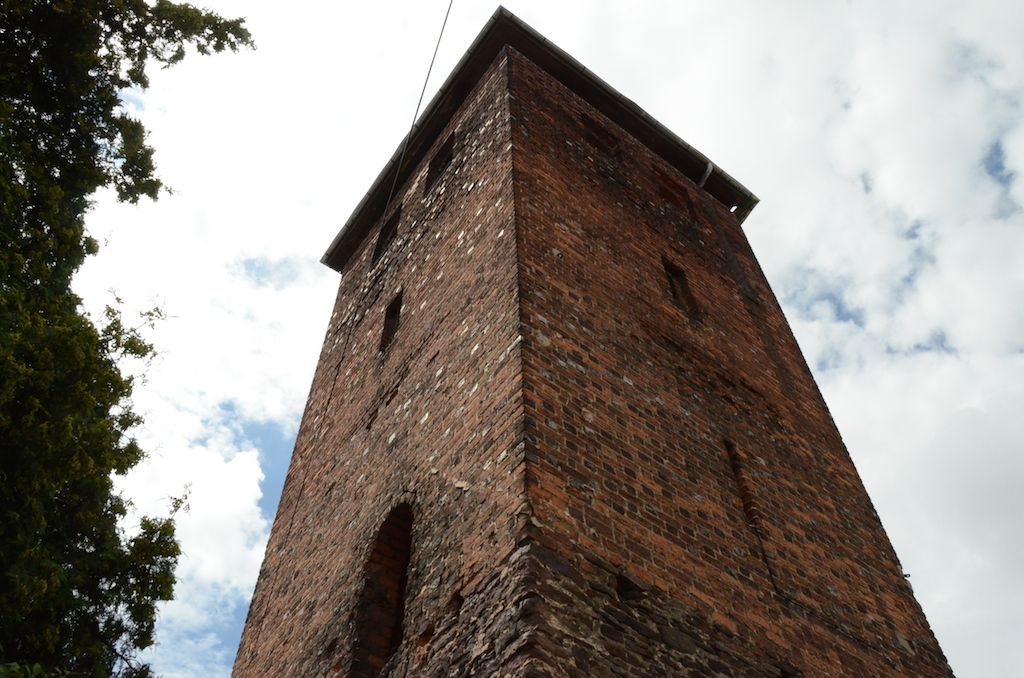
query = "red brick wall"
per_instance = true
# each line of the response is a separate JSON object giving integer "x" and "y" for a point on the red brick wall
{"x": 690, "y": 449}
{"x": 604, "y": 480}
{"x": 435, "y": 422}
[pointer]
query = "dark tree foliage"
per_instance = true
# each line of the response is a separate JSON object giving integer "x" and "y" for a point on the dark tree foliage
{"x": 77, "y": 593}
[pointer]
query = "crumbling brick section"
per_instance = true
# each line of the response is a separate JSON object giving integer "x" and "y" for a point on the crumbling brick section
{"x": 560, "y": 427}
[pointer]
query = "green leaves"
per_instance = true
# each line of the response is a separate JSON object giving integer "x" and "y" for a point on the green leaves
{"x": 77, "y": 593}
{"x": 133, "y": 167}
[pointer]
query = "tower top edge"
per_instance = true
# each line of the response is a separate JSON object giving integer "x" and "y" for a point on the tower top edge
{"x": 506, "y": 29}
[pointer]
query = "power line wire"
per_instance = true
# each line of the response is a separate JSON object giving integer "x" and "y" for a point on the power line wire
{"x": 405, "y": 144}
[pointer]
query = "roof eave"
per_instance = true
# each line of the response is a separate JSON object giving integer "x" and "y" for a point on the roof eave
{"x": 504, "y": 28}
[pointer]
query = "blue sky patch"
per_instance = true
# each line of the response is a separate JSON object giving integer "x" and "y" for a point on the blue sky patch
{"x": 229, "y": 632}
{"x": 919, "y": 259}
{"x": 829, "y": 360}
{"x": 132, "y": 99}
{"x": 914, "y": 231}
{"x": 817, "y": 288}
{"x": 936, "y": 342}
{"x": 866, "y": 183}
{"x": 274, "y": 447}
{"x": 995, "y": 165}
{"x": 275, "y": 450}
{"x": 275, "y": 273}
{"x": 844, "y": 312}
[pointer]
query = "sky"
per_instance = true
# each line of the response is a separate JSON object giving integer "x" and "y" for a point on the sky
{"x": 884, "y": 139}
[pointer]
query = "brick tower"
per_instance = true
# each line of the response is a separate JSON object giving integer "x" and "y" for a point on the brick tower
{"x": 560, "y": 427}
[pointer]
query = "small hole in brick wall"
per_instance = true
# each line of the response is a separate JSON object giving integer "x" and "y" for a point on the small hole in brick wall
{"x": 392, "y": 317}
{"x": 680, "y": 288}
{"x": 440, "y": 162}
{"x": 627, "y": 588}
{"x": 455, "y": 603}
{"x": 386, "y": 235}
{"x": 381, "y": 605}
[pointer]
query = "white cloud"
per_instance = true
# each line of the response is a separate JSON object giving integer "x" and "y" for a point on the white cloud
{"x": 864, "y": 128}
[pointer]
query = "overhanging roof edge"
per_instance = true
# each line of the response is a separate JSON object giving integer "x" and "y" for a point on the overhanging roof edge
{"x": 504, "y": 28}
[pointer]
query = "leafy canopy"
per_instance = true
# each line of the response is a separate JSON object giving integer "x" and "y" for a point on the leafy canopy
{"x": 76, "y": 592}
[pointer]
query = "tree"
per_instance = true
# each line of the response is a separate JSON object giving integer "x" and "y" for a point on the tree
{"x": 76, "y": 592}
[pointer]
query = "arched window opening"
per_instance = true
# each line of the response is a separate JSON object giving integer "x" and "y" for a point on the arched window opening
{"x": 381, "y": 604}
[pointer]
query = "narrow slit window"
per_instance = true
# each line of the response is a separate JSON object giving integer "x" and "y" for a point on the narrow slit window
{"x": 440, "y": 162}
{"x": 680, "y": 288}
{"x": 381, "y": 605}
{"x": 386, "y": 234}
{"x": 392, "y": 317}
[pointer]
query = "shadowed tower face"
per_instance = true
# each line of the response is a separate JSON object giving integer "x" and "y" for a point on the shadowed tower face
{"x": 560, "y": 426}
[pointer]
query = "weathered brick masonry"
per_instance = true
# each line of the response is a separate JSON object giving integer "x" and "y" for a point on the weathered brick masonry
{"x": 583, "y": 440}
{"x": 435, "y": 421}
